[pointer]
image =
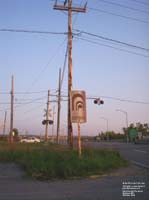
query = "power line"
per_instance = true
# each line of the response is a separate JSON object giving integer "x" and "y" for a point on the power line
{"x": 33, "y": 31}
{"x": 33, "y": 108}
{"x": 116, "y": 48}
{"x": 88, "y": 98}
{"x": 123, "y": 6}
{"x": 38, "y": 32}
{"x": 44, "y": 68}
{"x": 101, "y": 37}
{"x": 118, "y": 15}
{"x": 19, "y": 103}
{"x": 119, "y": 99}
{"x": 33, "y": 92}
{"x": 64, "y": 65}
{"x": 141, "y": 2}
{"x": 39, "y": 98}
{"x": 112, "y": 40}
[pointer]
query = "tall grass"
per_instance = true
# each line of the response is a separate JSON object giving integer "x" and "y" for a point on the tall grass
{"x": 54, "y": 161}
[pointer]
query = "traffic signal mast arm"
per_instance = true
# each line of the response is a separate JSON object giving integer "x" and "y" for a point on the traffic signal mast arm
{"x": 97, "y": 100}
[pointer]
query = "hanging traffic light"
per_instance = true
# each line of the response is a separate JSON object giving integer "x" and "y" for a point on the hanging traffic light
{"x": 98, "y": 101}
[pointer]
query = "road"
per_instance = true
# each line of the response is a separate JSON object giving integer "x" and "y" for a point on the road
{"x": 135, "y": 153}
{"x": 14, "y": 185}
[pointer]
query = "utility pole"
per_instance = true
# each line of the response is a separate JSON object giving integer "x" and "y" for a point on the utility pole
{"x": 79, "y": 141}
{"x": 47, "y": 116}
{"x": 126, "y": 115}
{"x": 4, "y": 125}
{"x": 53, "y": 121}
{"x": 12, "y": 110}
{"x": 67, "y": 6}
{"x": 59, "y": 107}
{"x": 107, "y": 122}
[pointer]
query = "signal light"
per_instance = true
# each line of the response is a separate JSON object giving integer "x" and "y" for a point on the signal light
{"x": 101, "y": 102}
{"x": 50, "y": 122}
{"x": 44, "y": 122}
{"x": 95, "y": 101}
{"x": 98, "y": 101}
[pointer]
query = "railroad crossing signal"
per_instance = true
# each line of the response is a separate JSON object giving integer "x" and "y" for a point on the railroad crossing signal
{"x": 47, "y": 121}
{"x": 44, "y": 122}
{"x": 49, "y": 113}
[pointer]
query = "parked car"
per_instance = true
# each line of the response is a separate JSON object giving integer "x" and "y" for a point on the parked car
{"x": 30, "y": 140}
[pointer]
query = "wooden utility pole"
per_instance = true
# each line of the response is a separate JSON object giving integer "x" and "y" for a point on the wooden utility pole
{"x": 12, "y": 110}
{"x": 68, "y": 7}
{"x": 53, "y": 121}
{"x": 4, "y": 125}
{"x": 47, "y": 116}
{"x": 59, "y": 107}
{"x": 79, "y": 141}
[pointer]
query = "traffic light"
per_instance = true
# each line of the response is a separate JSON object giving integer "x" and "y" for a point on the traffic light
{"x": 98, "y": 101}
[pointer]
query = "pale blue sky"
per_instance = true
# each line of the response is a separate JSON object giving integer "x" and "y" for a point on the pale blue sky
{"x": 34, "y": 60}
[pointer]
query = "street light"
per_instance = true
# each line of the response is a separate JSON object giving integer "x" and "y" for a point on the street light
{"x": 126, "y": 116}
{"x": 107, "y": 126}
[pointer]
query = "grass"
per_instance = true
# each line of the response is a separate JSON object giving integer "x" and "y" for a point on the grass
{"x": 55, "y": 161}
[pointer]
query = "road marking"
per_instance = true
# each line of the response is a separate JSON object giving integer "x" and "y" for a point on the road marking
{"x": 139, "y": 151}
{"x": 140, "y": 164}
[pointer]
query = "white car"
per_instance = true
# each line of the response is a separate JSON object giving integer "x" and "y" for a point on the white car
{"x": 30, "y": 140}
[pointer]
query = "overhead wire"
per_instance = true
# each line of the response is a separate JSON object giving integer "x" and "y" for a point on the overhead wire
{"x": 32, "y": 92}
{"x": 118, "y": 15}
{"x": 64, "y": 66}
{"x": 124, "y": 6}
{"x": 140, "y": 2}
{"x": 45, "y": 67}
{"x": 118, "y": 99}
{"x": 33, "y": 31}
{"x": 38, "y": 32}
{"x": 94, "y": 35}
{"x": 112, "y": 40}
{"x": 110, "y": 46}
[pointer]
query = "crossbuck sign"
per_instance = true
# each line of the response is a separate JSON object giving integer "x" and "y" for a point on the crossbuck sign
{"x": 78, "y": 106}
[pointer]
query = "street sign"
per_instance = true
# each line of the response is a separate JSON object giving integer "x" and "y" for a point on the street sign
{"x": 78, "y": 106}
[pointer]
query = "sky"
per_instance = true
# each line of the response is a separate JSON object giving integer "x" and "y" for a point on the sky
{"x": 114, "y": 72}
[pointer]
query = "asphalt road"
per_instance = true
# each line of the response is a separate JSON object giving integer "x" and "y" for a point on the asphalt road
{"x": 135, "y": 153}
{"x": 14, "y": 185}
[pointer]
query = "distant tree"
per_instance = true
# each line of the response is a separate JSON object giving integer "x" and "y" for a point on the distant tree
{"x": 112, "y": 135}
{"x": 143, "y": 128}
